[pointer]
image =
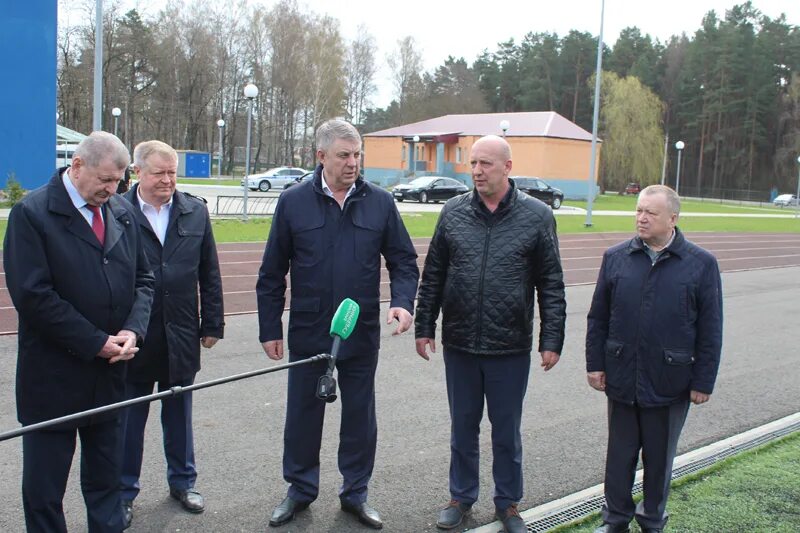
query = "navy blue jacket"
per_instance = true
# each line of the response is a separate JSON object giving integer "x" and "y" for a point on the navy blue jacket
{"x": 656, "y": 330}
{"x": 185, "y": 263}
{"x": 333, "y": 253}
{"x": 71, "y": 294}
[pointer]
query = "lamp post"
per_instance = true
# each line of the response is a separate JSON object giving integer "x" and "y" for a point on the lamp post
{"x": 595, "y": 118}
{"x": 797, "y": 196}
{"x": 250, "y": 92}
{"x": 116, "y": 112}
{"x": 504, "y": 125}
{"x": 220, "y": 125}
{"x": 679, "y": 147}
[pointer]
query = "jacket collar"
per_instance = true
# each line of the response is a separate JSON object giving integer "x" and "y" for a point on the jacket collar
{"x": 676, "y": 248}
{"x": 361, "y": 185}
{"x": 505, "y": 204}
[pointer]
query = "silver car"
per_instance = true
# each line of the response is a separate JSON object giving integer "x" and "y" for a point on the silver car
{"x": 277, "y": 177}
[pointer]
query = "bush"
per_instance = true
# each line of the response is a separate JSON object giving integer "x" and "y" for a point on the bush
{"x": 13, "y": 191}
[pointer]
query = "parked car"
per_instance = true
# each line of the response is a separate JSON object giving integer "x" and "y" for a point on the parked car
{"x": 429, "y": 189}
{"x": 308, "y": 176}
{"x": 274, "y": 177}
{"x": 785, "y": 200}
{"x": 538, "y": 188}
{"x": 632, "y": 188}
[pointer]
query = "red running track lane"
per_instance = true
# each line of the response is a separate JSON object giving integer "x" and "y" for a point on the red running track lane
{"x": 580, "y": 256}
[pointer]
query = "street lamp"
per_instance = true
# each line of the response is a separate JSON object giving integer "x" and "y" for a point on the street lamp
{"x": 797, "y": 196}
{"x": 116, "y": 112}
{"x": 220, "y": 125}
{"x": 504, "y": 125}
{"x": 590, "y": 181}
{"x": 679, "y": 147}
{"x": 250, "y": 92}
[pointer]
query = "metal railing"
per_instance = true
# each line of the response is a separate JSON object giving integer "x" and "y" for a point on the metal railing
{"x": 234, "y": 205}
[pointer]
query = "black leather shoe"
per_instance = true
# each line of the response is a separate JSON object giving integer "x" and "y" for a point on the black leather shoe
{"x": 512, "y": 521}
{"x": 452, "y": 515}
{"x": 286, "y": 510}
{"x": 190, "y": 499}
{"x": 127, "y": 513}
{"x": 366, "y": 514}
{"x": 605, "y": 527}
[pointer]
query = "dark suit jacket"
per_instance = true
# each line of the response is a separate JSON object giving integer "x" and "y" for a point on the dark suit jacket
{"x": 188, "y": 259}
{"x": 71, "y": 294}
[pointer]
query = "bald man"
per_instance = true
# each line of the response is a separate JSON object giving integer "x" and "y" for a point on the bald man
{"x": 493, "y": 250}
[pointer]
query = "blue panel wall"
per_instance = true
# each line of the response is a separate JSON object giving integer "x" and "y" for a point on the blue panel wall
{"x": 198, "y": 165}
{"x": 28, "y": 92}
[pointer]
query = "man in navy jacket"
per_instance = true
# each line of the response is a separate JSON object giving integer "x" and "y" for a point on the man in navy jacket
{"x": 653, "y": 345}
{"x": 77, "y": 273}
{"x": 330, "y": 234}
{"x": 177, "y": 236}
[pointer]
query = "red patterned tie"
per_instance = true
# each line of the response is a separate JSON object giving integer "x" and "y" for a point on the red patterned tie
{"x": 97, "y": 224}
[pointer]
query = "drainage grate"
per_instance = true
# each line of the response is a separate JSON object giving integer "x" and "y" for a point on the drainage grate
{"x": 593, "y": 505}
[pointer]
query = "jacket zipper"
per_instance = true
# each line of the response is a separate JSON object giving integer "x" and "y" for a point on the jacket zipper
{"x": 636, "y": 348}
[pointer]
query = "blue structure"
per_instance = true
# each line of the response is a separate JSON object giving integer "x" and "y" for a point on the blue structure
{"x": 194, "y": 164}
{"x": 28, "y": 92}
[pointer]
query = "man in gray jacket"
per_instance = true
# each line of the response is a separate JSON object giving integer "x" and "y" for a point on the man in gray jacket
{"x": 492, "y": 251}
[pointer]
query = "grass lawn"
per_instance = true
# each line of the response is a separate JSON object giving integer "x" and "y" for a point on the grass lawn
{"x": 615, "y": 202}
{"x": 758, "y": 490}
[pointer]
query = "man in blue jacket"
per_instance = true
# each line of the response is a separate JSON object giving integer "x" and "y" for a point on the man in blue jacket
{"x": 653, "y": 345}
{"x": 77, "y": 273}
{"x": 177, "y": 236}
{"x": 329, "y": 234}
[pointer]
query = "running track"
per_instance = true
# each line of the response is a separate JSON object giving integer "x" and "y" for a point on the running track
{"x": 580, "y": 255}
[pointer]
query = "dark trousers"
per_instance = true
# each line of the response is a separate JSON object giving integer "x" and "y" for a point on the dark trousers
{"x": 358, "y": 433}
{"x": 176, "y": 426}
{"x": 502, "y": 380}
{"x": 47, "y": 457}
{"x": 654, "y": 431}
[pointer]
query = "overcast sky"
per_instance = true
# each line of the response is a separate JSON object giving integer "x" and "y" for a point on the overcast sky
{"x": 464, "y": 29}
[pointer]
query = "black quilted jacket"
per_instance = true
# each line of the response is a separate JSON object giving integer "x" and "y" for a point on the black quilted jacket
{"x": 483, "y": 276}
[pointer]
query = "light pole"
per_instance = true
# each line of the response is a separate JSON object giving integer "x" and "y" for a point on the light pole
{"x": 220, "y": 125}
{"x": 797, "y": 196}
{"x": 504, "y": 125}
{"x": 414, "y": 155}
{"x": 595, "y": 119}
{"x": 116, "y": 112}
{"x": 97, "y": 112}
{"x": 250, "y": 92}
{"x": 679, "y": 147}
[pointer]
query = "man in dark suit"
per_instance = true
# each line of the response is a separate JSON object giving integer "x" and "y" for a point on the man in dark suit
{"x": 78, "y": 275}
{"x": 653, "y": 345}
{"x": 330, "y": 233}
{"x": 176, "y": 231}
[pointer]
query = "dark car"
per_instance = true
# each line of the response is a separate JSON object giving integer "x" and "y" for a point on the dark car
{"x": 429, "y": 189}
{"x": 538, "y": 188}
{"x": 633, "y": 188}
{"x": 308, "y": 176}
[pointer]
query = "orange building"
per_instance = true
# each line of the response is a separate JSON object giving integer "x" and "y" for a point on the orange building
{"x": 543, "y": 144}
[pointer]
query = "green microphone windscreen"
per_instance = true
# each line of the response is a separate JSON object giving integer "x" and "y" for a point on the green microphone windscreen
{"x": 344, "y": 320}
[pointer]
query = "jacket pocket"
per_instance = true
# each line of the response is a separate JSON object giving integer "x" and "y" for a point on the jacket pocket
{"x": 367, "y": 239}
{"x": 616, "y": 376}
{"x": 676, "y": 372}
{"x": 309, "y": 243}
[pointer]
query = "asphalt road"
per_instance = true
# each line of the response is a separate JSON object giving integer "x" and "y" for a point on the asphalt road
{"x": 238, "y": 427}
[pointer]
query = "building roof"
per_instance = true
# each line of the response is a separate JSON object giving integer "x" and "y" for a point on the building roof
{"x": 68, "y": 136}
{"x": 530, "y": 124}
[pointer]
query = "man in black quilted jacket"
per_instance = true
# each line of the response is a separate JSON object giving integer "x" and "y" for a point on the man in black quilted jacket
{"x": 493, "y": 250}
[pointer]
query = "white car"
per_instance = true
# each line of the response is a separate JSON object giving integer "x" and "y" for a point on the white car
{"x": 785, "y": 200}
{"x": 275, "y": 177}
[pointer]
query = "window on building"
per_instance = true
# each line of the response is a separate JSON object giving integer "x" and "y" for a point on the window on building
{"x": 403, "y": 153}
{"x": 458, "y": 154}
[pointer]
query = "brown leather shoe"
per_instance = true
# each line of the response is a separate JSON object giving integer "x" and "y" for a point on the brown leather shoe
{"x": 512, "y": 521}
{"x": 190, "y": 499}
{"x": 452, "y": 515}
{"x": 366, "y": 514}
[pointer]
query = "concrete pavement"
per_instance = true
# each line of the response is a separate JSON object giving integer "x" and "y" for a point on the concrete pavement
{"x": 238, "y": 427}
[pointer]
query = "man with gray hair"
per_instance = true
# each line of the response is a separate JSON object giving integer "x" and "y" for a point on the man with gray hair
{"x": 653, "y": 345}
{"x": 77, "y": 273}
{"x": 330, "y": 234}
{"x": 177, "y": 236}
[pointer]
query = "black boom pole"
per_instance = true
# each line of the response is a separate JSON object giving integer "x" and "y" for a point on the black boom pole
{"x": 173, "y": 391}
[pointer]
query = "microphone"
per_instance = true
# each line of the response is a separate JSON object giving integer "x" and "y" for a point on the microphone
{"x": 342, "y": 325}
